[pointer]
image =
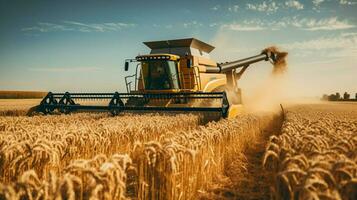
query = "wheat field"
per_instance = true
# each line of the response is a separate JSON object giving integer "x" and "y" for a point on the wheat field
{"x": 306, "y": 152}
{"x": 315, "y": 156}
{"x": 17, "y": 107}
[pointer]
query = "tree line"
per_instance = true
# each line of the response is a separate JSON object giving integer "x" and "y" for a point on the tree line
{"x": 22, "y": 94}
{"x": 337, "y": 97}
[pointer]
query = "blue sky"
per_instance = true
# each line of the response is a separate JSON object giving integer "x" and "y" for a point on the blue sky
{"x": 81, "y": 45}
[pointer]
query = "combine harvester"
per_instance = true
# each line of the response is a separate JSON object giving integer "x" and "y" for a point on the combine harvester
{"x": 177, "y": 76}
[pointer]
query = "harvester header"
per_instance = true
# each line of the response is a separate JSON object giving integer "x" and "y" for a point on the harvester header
{"x": 176, "y": 76}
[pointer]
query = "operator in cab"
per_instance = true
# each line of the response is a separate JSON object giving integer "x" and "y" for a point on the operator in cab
{"x": 159, "y": 79}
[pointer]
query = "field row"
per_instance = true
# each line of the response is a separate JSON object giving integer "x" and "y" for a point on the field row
{"x": 315, "y": 157}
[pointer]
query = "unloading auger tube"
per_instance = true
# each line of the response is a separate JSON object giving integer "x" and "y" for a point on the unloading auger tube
{"x": 65, "y": 102}
{"x": 266, "y": 55}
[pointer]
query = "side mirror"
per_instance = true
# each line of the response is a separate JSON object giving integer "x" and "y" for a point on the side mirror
{"x": 126, "y": 68}
{"x": 189, "y": 63}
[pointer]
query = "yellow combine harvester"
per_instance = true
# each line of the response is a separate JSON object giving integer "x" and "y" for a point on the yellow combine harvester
{"x": 177, "y": 76}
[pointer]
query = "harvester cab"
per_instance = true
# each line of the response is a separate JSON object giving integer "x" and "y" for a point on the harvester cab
{"x": 177, "y": 76}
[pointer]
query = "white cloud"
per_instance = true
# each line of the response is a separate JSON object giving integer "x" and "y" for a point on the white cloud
{"x": 294, "y": 4}
{"x": 349, "y": 34}
{"x": 233, "y": 8}
{"x": 77, "y": 26}
{"x": 326, "y": 24}
{"x": 213, "y": 24}
{"x": 242, "y": 27}
{"x": 317, "y": 2}
{"x": 47, "y": 27}
{"x": 216, "y": 7}
{"x": 167, "y": 26}
{"x": 103, "y": 27}
{"x": 308, "y": 24}
{"x": 324, "y": 43}
{"x": 337, "y": 48}
{"x": 346, "y": 2}
{"x": 193, "y": 23}
{"x": 66, "y": 69}
{"x": 268, "y": 7}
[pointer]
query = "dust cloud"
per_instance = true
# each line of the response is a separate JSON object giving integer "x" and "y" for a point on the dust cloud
{"x": 268, "y": 96}
{"x": 275, "y": 90}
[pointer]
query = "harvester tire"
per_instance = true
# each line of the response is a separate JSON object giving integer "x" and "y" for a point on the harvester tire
{"x": 116, "y": 106}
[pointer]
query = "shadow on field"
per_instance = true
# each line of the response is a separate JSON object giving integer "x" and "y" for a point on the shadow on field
{"x": 244, "y": 177}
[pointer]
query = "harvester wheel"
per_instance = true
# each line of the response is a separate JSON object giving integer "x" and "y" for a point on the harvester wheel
{"x": 116, "y": 106}
{"x": 64, "y": 102}
{"x": 48, "y": 110}
{"x": 63, "y": 108}
{"x": 47, "y": 105}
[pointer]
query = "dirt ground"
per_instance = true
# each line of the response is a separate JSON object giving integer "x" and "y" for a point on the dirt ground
{"x": 248, "y": 181}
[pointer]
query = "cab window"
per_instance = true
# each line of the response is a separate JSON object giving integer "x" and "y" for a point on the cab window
{"x": 160, "y": 74}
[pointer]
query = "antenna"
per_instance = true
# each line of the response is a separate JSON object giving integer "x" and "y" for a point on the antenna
{"x": 168, "y": 44}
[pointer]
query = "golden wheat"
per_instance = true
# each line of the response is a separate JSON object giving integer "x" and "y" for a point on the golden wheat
{"x": 170, "y": 157}
{"x": 45, "y": 143}
{"x": 316, "y": 154}
{"x": 16, "y": 107}
{"x": 188, "y": 161}
{"x": 94, "y": 156}
{"x": 97, "y": 178}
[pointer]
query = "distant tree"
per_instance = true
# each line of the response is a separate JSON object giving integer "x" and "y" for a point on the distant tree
{"x": 346, "y": 96}
{"x": 324, "y": 97}
{"x": 356, "y": 96}
{"x": 332, "y": 97}
{"x": 338, "y": 96}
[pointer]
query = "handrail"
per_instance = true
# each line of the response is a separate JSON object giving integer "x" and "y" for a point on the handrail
{"x": 135, "y": 76}
{"x": 128, "y": 89}
{"x": 197, "y": 77}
